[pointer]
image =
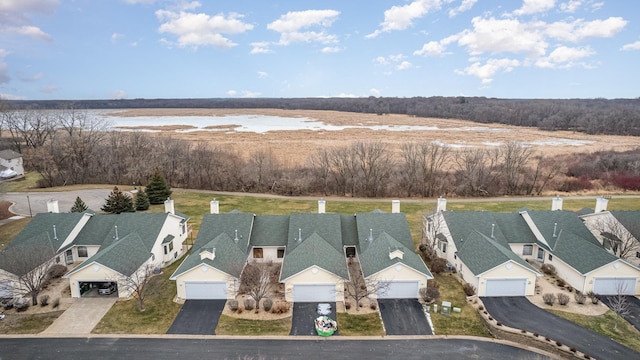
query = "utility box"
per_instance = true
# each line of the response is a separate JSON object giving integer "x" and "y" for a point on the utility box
{"x": 446, "y": 308}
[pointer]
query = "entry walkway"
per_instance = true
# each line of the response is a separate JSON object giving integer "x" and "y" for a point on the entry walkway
{"x": 81, "y": 317}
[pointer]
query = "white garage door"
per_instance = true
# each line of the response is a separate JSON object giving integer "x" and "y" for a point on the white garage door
{"x": 205, "y": 290}
{"x": 506, "y": 287}
{"x": 314, "y": 293}
{"x": 399, "y": 290}
{"x": 614, "y": 286}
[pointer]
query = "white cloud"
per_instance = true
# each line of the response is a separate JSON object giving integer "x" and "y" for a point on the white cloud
{"x": 498, "y": 36}
{"x": 401, "y": 17}
{"x": 466, "y": 5}
{"x": 293, "y": 24}
{"x": 263, "y": 74}
{"x": 249, "y": 94}
{"x": 12, "y": 97}
{"x": 486, "y": 71}
{"x": 374, "y": 92}
{"x": 118, "y": 94}
{"x": 116, "y": 36}
{"x": 260, "y": 48}
{"x": 29, "y": 78}
{"x": 139, "y": 1}
{"x": 199, "y": 29}
{"x": 330, "y": 49}
{"x": 631, "y": 46}
{"x": 565, "y": 57}
{"x": 381, "y": 60}
{"x": 232, "y": 93}
{"x": 15, "y": 17}
{"x": 535, "y": 6}
{"x": 396, "y": 57}
{"x": 22, "y": 7}
{"x": 404, "y": 65}
{"x": 431, "y": 49}
{"x": 571, "y": 6}
{"x": 580, "y": 30}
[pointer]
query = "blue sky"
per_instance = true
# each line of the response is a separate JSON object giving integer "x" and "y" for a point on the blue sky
{"x": 111, "y": 49}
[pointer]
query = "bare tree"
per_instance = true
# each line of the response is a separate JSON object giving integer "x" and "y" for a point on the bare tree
{"x": 619, "y": 303}
{"x": 31, "y": 128}
{"x": 359, "y": 287}
{"x": 26, "y": 268}
{"x": 258, "y": 280}
{"x": 137, "y": 283}
{"x": 513, "y": 159}
{"x": 616, "y": 237}
{"x": 431, "y": 233}
{"x": 375, "y": 164}
{"x": 475, "y": 166}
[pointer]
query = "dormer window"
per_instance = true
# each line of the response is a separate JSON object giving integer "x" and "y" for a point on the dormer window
{"x": 396, "y": 254}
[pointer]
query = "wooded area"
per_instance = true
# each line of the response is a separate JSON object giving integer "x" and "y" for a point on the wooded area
{"x": 592, "y": 116}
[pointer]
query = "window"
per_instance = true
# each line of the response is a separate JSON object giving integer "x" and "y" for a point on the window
{"x": 171, "y": 246}
{"x": 184, "y": 228}
{"x": 82, "y": 251}
{"x": 443, "y": 247}
{"x": 550, "y": 257}
{"x": 527, "y": 250}
{"x": 166, "y": 251}
{"x": 257, "y": 253}
{"x": 638, "y": 254}
{"x": 280, "y": 253}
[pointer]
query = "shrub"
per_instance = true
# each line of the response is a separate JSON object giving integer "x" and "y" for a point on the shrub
{"x": 536, "y": 334}
{"x": 499, "y": 323}
{"x": 280, "y": 307}
{"x": 593, "y": 296}
{"x": 549, "y": 299}
{"x": 373, "y": 306}
{"x": 580, "y": 297}
{"x": 469, "y": 290}
{"x": 548, "y": 269}
{"x": 44, "y": 300}
{"x": 422, "y": 248}
{"x": 570, "y": 288}
{"x": 21, "y": 305}
{"x": 233, "y": 305}
{"x": 429, "y": 294}
{"x": 267, "y": 304}
{"x": 438, "y": 265}
{"x": 523, "y": 331}
{"x": 481, "y": 308}
{"x": 573, "y": 350}
{"x": 55, "y": 303}
{"x": 490, "y": 318}
{"x": 558, "y": 343}
{"x": 563, "y": 299}
{"x": 57, "y": 271}
{"x": 347, "y": 305}
{"x": 560, "y": 283}
{"x": 249, "y": 304}
{"x": 239, "y": 310}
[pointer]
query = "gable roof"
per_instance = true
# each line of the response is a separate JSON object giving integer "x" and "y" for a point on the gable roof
{"x": 41, "y": 228}
{"x": 270, "y": 230}
{"x": 314, "y": 250}
{"x": 492, "y": 255}
{"x": 630, "y": 220}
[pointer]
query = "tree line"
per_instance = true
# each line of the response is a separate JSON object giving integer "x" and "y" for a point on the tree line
{"x": 592, "y": 116}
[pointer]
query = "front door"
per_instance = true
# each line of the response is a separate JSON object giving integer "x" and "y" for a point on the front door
{"x": 540, "y": 254}
{"x": 69, "y": 257}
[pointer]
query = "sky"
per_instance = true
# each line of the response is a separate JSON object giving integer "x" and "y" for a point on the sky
{"x": 126, "y": 49}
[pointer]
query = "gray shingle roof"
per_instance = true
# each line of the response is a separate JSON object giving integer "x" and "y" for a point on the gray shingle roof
{"x": 40, "y": 228}
{"x": 124, "y": 255}
{"x": 314, "y": 250}
{"x": 630, "y": 220}
{"x": 481, "y": 253}
{"x": 270, "y": 230}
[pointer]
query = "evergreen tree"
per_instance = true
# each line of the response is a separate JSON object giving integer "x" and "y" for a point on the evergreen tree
{"x": 157, "y": 190}
{"x": 79, "y": 205}
{"x": 142, "y": 200}
{"x": 117, "y": 203}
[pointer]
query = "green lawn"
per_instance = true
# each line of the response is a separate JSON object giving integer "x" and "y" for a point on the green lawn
{"x": 467, "y": 321}
{"x": 605, "y": 324}
{"x": 359, "y": 325}
{"x": 228, "y": 325}
{"x": 125, "y": 318}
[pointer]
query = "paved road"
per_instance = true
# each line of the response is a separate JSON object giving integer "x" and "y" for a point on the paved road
{"x": 198, "y": 317}
{"x": 520, "y": 313}
{"x": 214, "y": 348}
{"x": 404, "y": 317}
{"x": 633, "y": 317}
{"x": 36, "y": 202}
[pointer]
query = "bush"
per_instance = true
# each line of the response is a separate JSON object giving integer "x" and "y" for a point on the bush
{"x": 580, "y": 297}
{"x": 481, "y": 308}
{"x": 469, "y": 290}
{"x": 563, "y": 299}
{"x": 373, "y": 305}
{"x": 280, "y": 307}
{"x": 548, "y": 269}
{"x": 57, "y": 271}
{"x": 249, "y": 304}
{"x": 593, "y": 296}
{"x": 438, "y": 265}
{"x": 429, "y": 294}
{"x": 560, "y": 283}
{"x": 44, "y": 300}
{"x": 536, "y": 334}
{"x": 347, "y": 305}
{"x": 267, "y": 304}
{"x": 558, "y": 343}
{"x": 549, "y": 299}
{"x": 499, "y": 323}
{"x": 422, "y": 248}
{"x": 55, "y": 303}
{"x": 233, "y": 305}
{"x": 21, "y": 305}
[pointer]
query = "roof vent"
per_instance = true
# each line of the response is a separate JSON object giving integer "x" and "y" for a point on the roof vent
{"x": 299, "y": 239}
{"x": 493, "y": 227}
{"x": 370, "y": 238}
{"x": 236, "y": 238}
{"x": 555, "y": 229}
{"x": 55, "y": 233}
{"x": 116, "y": 235}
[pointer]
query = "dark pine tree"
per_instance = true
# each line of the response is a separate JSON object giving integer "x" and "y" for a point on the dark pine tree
{"x": 117, "y": 203}
{"x": 157, "y": 190}
{"x": 79, "y": 205}
{"x": 142, "y": 201}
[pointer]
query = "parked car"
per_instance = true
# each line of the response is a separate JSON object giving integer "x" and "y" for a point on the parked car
{"x": 106, "y": 289}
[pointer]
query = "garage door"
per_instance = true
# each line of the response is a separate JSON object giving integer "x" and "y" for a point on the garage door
{"x": 506, "y": 287}
{"x": 399, "y": 290}
{"x": 614, "y": 286}
{"x": 314, "y": 293}
{"x": 205, "y": 290}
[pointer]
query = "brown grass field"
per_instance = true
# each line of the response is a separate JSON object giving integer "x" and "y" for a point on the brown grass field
{"x": 294, "y": 147}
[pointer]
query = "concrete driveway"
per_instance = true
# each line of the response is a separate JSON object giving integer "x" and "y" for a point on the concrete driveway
{"x": 303, "y": 317}
{"x": 82, "y": 316}
{"x": 32, "y": 203}
{"x": 634, "y": 309}
{"x": 520, "y": 313}
{"x": 404, "y": 317}
{"x": 198, "y": 317}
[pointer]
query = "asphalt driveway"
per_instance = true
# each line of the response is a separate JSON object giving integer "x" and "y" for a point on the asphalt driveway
{"x": 198, "y": 317}
{"x": 303, "y": 316}
{"x": 634, "y": 309}
{"x": 520, "y": 313}
{"x": 404, "y": 317}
